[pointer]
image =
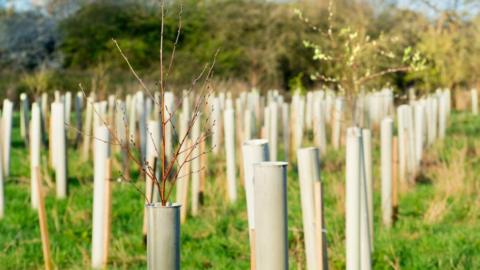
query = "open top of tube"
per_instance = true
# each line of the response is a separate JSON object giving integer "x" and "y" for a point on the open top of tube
{"x": 159, "y": 204}
{"x": 256, "y": 142}
{"x": 271, "y": 164}
{"x": 308, "y": 149}
{"x": 388, "y": 118}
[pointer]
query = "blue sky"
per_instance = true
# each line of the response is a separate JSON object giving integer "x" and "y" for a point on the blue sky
{"x": 19, "y": 4}
{"x": 441, "y": 4}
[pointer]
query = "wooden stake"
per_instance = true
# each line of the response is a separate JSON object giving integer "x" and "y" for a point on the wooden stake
{"x": 409, "y": 174}
{"x": 252, "y": 249}
{"x": 395, "y": 179}
{"x": 108, "y": 208}
{"x": 125, "y": 159}
{"x": 145, "y": 210}
{"x": 203, "y": 168}
{"x": 152, "y": 182}
{"x": 320, "y": 239}
{"x": 240, "y": 164}
{"x": 184, "y": 208}
{"x": 239, "y": 141}
{"x": 144, "y": 229}
{"x": 149, "y": 194}
{"x": 263, "y": 133}
{"x": 42, "y": 217}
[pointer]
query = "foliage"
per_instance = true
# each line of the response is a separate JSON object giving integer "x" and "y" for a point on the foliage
{"x": 248, "y": 50}
{"x": 27, "y": 41}
{"x": 88, "y": 34}
{"x": 349, "y": 56}
{"x": 349, "y": 44}
{"x": 38, "y": 82}
{"x": 296, "y": 84}
{"x": 449, "y": 47}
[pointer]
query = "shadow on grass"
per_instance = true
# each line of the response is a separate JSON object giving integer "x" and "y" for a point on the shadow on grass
{"x": 74, "y": 181}
{"x": 18, "y": 144}
{"x": 423, "y": 179}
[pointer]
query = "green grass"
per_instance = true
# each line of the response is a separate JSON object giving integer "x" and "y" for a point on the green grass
{"x": 218, "y": 238}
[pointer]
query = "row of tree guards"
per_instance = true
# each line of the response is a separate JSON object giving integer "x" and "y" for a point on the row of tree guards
{"x": 249, "y": 131}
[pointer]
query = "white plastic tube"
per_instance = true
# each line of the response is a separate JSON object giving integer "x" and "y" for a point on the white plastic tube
{"x": 60, "y": 154}
{"x": 386, "y": 141}
{"x": 169, "y": 108}
{"x": 196, "y": 164}
{"x": 7, "y": 134}
{"x": 299, "y": 111}
{"x": 68, "y": 107}
{"x": 248, "y": 125}
{"x": 434, "y": 118}
{"x": 132, "y": 119}
{"x": 337, "y": 123}
{"x": 368, "y": 164}
{"x": 44, "y": 110}
{"x": 266, "y": 123}
{"x": 411, "y": 159}
{"x": 419, "y": 111}
{"x": 78, "y": 116}
{"x": 88, "y": 129}
{"x": 286, "y": 129}
{"x": 352, "y": 200}
{"x": 365, "y": 237}
{"x": 163, "y": 237}
{"x": 24, "y": 117}
{"x": 319, "y": 130}
{"x": 153, "y": 148}
{"x": 271, "y": 227}
{"x": 142, "y": 123}
{"x": 402, "y": 142}
{"x": 102, "y": 152}
{"x": 35, "y": 145}
{"x": 474, "y": 99}
{"x": 121, "y": 121}
{"x": 229, "y": 125}
{"x": 2, "y": 195}
{"x": 273, "y": 130}
{"x": 216, "y": 125}
{"x": 309, "y": 111}
{"x": 254, "y": 151}
{"x": 309, "y": 174}
{"x": 442, "y": 115}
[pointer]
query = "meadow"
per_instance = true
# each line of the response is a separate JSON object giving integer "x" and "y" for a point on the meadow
{"x": 437, "y": 224}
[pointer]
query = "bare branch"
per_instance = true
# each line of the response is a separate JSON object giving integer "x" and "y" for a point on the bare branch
{"x": 382, "y": 73}
{"x": 133, "y": 70}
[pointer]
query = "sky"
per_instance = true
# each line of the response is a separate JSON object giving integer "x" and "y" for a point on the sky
{"x": 441, "y": 4}
{"x": 18, "y": 4}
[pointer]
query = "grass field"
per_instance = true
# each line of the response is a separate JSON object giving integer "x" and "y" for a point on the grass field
{"x": 438, "y": 224}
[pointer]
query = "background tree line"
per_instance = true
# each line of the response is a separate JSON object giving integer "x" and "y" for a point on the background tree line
{"x": 261, "y": 44}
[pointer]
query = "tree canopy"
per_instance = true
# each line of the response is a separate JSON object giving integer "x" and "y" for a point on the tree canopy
{"x": 263, "y": 44}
